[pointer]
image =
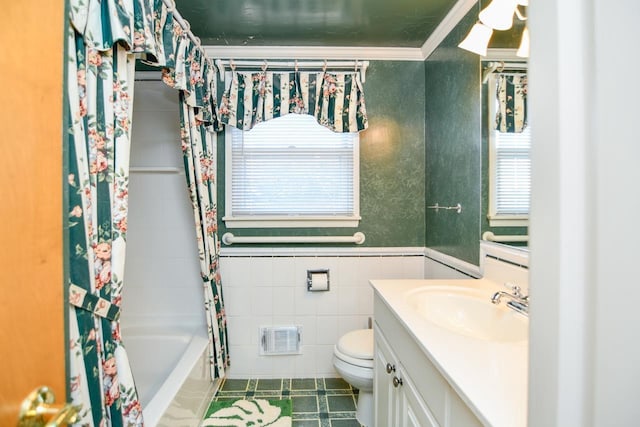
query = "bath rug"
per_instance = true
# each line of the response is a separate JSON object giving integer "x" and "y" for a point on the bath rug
{"x": 248, "y": 413}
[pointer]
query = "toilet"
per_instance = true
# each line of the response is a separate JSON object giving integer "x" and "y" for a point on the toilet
{"x": 353, "y": 360}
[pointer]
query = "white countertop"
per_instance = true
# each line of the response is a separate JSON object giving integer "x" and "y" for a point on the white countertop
{"x": 490, "y": 377}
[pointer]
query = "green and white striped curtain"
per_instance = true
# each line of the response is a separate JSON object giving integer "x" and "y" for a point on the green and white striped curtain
{"x": 104, "y": 39}
{"x": 199, "y": 154}
{"x": 100, "y": 97}
{"x": 336, "y": 100}
{"x": 512, "y": 103}
{"x": 195, "y": 78}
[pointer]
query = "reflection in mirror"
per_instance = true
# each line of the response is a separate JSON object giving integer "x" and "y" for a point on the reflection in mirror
{"x": 506, "y": 153}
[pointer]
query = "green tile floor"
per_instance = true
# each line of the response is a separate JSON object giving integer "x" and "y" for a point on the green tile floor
{"x": 317, "y": 402}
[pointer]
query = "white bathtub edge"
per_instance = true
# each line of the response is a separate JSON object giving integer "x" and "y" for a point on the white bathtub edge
{"x": 163, "y": 398}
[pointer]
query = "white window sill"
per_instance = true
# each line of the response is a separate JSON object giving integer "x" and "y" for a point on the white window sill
{"x": 509, "y": 221}
{"x": 290, "y": 222}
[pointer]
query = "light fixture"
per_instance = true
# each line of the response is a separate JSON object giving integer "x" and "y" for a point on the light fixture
{"x": 477, "y": 40}
{"x": 499, "y": 14}
{"x": 523, "y": 50}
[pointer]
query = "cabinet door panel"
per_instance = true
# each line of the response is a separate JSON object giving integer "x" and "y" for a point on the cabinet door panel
{"x": 385, "y": 397}
{"x": 431, "y": 384}
{"x": 414, "y": 411}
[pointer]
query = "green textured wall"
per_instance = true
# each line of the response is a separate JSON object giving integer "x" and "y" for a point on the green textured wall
{"x": 453, "y": 146}
{"x": 392, "y": 162}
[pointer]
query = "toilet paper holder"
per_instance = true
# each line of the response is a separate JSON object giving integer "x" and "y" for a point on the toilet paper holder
{"x": 318, "y": 280}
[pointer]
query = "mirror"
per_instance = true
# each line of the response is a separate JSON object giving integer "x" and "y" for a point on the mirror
{"x": 506, "y": 164}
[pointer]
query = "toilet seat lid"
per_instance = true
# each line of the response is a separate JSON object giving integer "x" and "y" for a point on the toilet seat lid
{"x": 357, "y": 344}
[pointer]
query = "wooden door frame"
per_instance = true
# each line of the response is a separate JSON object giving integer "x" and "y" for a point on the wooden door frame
{"x": 32, "y": 314}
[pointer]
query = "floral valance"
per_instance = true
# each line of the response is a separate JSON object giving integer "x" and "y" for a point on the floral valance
{"x": 336, "y": 100}
{"x": 148, "y": 29}
{"x": 512, "y": 103}
{"x": 103, "y": 23}
{"x": 195, "y": 76}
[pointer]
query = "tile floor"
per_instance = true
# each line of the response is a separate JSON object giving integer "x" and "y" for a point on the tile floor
{"x": 317, "y": 402}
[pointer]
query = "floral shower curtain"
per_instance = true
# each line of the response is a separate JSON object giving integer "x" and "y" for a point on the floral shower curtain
{"x": 199, "y": 153}
{"x": 104, "y": 39}
{"x": 512, "y": 103}
{"x": 195, "y": 78}
{"x": 336, "y": 100}
{"x": 100, "y": 90}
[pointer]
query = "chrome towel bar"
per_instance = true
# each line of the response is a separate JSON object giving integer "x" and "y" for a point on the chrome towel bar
{"x": 437, "y": 207}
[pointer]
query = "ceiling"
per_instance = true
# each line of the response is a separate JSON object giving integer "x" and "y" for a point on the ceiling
{"x": 353, "y": 23}
{"x": 371, "y": 29}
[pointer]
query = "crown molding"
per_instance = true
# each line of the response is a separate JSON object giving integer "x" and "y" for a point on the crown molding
{"x": 455, "y": 15}
{"x": 315, "y": 52}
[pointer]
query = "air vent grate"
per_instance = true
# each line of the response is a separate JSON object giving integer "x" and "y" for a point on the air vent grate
{"x": 280, "y": 340}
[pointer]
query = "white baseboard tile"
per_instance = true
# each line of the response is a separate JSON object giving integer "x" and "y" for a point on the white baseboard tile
{"x": 463, "y": 267}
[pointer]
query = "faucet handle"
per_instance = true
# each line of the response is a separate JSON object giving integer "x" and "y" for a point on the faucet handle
{"x": 514, "y": 288}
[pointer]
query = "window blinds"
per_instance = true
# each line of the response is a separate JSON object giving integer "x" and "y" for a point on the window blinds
{"x": 513, "y": 172}
{"x": 292, "y": 166}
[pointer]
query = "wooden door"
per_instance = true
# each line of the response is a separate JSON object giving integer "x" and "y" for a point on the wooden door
{"x": 32, "y": 336}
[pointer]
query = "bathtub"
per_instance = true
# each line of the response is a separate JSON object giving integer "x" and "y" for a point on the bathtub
{"x": 171, "y": 371}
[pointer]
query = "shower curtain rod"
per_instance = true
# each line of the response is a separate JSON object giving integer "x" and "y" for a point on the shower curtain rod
{"x": 356, "y": 65}
{"x": 495, "y": 65}
{"x": 501, "y": 66}
{"x": 171, "y": 6}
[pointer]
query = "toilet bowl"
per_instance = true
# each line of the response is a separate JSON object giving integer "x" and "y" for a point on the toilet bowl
{"x": 353, "y": 360}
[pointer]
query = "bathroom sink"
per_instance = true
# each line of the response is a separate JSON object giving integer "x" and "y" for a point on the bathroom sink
{"x": 468, "y": 312}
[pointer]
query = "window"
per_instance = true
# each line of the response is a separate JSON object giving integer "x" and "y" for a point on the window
{"x": 291, "y": 172}
{"x": 509, "y": 171}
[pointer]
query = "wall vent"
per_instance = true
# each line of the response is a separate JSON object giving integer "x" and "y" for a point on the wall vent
{"x": 280, "y": 340}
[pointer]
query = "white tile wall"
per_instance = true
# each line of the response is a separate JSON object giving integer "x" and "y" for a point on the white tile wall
{"x": 438, "y": 265}
{"x": 514, "y": 270}
{"x": 162, "y": 273}
{"x": 271, "y": 290}
{"x": 436, "y": 270}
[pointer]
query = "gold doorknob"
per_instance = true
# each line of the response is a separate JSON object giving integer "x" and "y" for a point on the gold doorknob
{"x": 39, "y": 404}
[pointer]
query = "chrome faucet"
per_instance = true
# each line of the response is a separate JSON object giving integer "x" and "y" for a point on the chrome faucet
{"x": 519, "y": 302}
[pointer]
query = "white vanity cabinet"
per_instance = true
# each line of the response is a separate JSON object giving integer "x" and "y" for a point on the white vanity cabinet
{"x": 397, "y": 402}
{"x": 409, "y": 391}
